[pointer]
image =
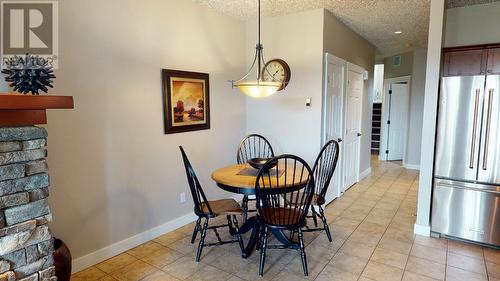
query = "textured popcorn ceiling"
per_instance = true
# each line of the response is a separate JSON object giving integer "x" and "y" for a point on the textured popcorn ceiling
{"x": 375, "y": 20}
{"x": 463, "y": 3}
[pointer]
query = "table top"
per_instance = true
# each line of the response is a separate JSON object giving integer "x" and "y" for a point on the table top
{"x": 229, "y": 179}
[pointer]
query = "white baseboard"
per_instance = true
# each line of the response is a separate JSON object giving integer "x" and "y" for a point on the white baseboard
{"x": 129, "y": 243}
{"x": 112, "y": 250}
{"x": 365, "y": 173}
{"x": 422, "y": 230}
{"x": 411, "y": 166}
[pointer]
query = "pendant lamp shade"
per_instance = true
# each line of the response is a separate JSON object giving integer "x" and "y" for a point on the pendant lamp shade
{"x": 257, "y": 88}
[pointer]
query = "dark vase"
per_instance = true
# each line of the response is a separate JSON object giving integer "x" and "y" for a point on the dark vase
{"x": 62, "y": 260}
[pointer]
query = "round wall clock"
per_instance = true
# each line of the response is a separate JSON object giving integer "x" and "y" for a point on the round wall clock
{"x": 277, "y": 70}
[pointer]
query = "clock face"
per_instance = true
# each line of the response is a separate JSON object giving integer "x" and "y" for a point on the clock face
{"x": 277, "y": 70}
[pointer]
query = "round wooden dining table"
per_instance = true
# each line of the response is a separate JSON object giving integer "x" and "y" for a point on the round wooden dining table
{"x": 237, "y": 178}
{"x": 240, "y": 179}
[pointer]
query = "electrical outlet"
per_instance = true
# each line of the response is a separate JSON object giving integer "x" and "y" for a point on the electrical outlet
{"x": 183, "y": 197}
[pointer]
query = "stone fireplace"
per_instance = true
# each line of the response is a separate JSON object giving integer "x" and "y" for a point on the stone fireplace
{"x": 26, "y": 243}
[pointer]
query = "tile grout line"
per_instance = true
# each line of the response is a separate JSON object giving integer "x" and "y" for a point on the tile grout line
{"x": 446, "y": 262}
{"x": 412, "y": 244}
{"x": 392, "y": 219}
{"x": 357, "y": 198}
{"x": 347, "y": 238}
{"x": 486, "y": 266}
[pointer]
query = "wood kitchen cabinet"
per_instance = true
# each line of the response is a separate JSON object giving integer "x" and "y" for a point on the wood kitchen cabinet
{"x": 471, "y": 60}
{"x": 464, "y": 62}
{"x": 493, "y": 61}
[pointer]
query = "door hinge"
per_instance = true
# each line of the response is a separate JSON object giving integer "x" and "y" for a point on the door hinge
{"x": 390, "y": 92}
{"x": 388, "y": 122}
{"x": 387, "y": 152}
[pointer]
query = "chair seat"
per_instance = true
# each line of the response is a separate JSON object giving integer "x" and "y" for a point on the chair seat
{"x": 281, "y": 216}
{"x": 223, "y": 207}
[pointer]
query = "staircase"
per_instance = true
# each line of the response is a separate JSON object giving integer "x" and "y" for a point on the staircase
{"x": 376, "y": 125}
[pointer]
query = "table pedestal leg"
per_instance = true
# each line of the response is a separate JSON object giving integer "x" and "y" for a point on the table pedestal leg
{"x": 252, "y": 224}
{"x": 280, "y": 235}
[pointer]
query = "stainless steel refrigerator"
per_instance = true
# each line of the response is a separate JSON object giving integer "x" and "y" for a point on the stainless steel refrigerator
{"x": 466, "y": 194}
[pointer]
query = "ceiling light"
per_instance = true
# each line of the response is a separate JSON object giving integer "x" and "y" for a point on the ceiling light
{"x": 257, "y": 88}
{"x": 398, "y": 32}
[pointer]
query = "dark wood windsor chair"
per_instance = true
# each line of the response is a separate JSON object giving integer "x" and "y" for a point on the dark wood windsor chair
{"x": 211, "y": 209}
{"x": 323, "y": 170}
{"x": 252, "y": 146}
{"x": 283, "y": 197}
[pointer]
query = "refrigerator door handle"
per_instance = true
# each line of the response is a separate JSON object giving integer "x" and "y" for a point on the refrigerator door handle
{"x": 474, "y": 131}
{"x": 458, "y": 186}
{"x": 488, "y": 128}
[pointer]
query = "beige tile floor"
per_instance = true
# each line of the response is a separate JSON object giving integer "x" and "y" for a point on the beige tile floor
{"x": 372, "y": 225}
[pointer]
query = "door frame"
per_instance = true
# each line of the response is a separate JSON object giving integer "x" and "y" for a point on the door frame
{"x": 360, "y": 70}
{"x": 383, "y": 127}
{"x": 329, "y": 58}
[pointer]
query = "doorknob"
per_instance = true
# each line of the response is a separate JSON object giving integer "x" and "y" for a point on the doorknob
{"x": 359, "y": 134}
{"x": 339, "y": 140}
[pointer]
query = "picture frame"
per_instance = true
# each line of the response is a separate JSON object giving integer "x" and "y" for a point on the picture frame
{"x": 186, "y": 101}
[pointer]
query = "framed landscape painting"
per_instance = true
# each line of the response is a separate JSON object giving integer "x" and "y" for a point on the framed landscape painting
{"x": 186, "y": 104}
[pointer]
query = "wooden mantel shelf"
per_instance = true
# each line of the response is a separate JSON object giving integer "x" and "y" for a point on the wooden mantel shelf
{"x": 19, "y": 110}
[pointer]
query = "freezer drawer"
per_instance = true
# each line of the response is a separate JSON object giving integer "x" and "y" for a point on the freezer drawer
{"x": 467, "y": 211}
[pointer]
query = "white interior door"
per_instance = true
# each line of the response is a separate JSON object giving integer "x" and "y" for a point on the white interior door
{"x": 395, "y": 121}
{"x": 333, "y": 111}
{"x": 352, "y": 138}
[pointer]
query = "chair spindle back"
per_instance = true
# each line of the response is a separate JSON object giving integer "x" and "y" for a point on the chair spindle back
{"x": 324, "y": 167}
{"x": 254, "y": 146}
{"x": 199, "y": 197}
{"x": 284, "y": 189}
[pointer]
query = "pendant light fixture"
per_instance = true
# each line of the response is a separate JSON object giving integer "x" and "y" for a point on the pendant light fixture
{"x": 257, "y": 88}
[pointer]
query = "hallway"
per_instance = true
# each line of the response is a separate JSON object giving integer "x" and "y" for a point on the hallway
{"x": 372, "y": 226}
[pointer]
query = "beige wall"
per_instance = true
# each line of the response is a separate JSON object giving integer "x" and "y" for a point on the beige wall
{"x": 346, "y": 44}
{"x": 406, "y": 67}
{"x": 114, "y": 174}
{"x": 284, "y": 118}
{"x": 473, "y": 25}
{"x": 301, "y": 39}
{"x": 342, "y": 42}
{"x": 416, "y": 108}
{"x": 412, "y": 64}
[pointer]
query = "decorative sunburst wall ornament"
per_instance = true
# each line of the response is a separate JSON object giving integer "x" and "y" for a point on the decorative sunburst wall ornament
{"x": 29, "y": 74}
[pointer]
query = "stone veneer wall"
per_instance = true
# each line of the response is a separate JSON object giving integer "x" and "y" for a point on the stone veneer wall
{"x": 26, "y": 245}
